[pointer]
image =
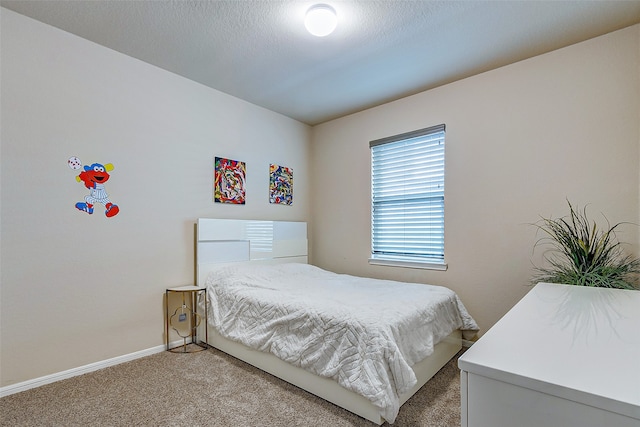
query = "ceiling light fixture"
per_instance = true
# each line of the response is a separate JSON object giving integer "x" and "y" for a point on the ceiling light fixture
{"x": 321, "y": 20}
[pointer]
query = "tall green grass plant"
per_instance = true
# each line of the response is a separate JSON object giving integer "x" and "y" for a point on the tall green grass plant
{"x": 581, "y": 253}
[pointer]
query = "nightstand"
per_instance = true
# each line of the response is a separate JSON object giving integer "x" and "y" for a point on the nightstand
{"x": 189, "y": 317}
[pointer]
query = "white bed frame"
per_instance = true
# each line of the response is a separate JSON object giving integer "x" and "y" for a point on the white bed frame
{"x": 221, "y": 241}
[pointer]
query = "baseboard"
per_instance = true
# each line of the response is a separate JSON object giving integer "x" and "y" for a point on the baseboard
{"x": 37, "y": 382}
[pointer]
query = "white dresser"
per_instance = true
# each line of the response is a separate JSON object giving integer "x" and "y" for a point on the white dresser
{"x": 563, "y": 356}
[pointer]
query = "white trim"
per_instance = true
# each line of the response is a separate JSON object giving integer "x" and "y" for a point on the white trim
{"x": 48, "y": 379}
{"x": 409, "y": 264}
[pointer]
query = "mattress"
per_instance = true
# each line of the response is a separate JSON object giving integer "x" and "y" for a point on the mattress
{"x": 363, "y": 333}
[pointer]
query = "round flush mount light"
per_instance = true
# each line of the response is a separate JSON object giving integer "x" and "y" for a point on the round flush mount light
{"x": 321, "y": 20}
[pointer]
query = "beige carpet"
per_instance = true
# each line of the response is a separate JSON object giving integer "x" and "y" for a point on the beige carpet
{"x": 208, "y": 388}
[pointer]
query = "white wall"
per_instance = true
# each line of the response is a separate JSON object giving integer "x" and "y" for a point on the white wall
{"x": 520, "y": 141}
{"x": 75, "y": 288}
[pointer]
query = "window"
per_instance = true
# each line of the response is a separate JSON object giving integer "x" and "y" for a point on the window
{"x": 407, "y": 192}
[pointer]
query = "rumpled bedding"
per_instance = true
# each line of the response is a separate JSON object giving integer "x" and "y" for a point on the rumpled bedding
{"x": 363, "y": 333}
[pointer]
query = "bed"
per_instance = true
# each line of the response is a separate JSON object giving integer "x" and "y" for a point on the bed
{"x": 270, "y": 309}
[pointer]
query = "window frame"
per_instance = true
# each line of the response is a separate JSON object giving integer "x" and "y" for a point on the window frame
{"x": 410, "y": 259}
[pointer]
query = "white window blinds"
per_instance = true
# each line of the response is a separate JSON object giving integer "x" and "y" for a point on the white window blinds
{"x": 407, "y": 181}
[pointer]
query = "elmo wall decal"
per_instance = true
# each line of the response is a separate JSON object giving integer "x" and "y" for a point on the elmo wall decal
{"x": 94, "y": 177}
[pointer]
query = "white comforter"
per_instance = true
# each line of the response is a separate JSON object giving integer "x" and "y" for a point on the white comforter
{"x": 365, "y": 334}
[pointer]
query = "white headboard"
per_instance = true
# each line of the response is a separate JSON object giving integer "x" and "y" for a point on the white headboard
{"x": 222, "y": 241}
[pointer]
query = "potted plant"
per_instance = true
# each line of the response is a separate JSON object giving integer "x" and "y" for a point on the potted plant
{"x": 582, "y": 253}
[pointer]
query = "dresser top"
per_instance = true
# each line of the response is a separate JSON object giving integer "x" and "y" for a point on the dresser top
{"x": 574, "y": 342}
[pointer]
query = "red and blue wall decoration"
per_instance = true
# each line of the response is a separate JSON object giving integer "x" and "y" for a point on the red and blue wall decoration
{"x": 94, "y": 177}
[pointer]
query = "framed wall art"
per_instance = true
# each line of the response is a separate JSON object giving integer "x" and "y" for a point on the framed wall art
{"x": 229, "y": 181}
{"x": 280, "y": 185}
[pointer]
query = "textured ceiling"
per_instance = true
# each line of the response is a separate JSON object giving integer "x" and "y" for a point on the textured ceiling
{"x": 259, "y": 51}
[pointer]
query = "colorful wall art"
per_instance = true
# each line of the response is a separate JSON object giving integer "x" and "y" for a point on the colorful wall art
{"x": 230, "y": 179}
{"x": 280, "y": 185}
{"x": 94, "y": 177}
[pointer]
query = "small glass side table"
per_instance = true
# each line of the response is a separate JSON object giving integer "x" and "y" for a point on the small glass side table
{"x": 186, "y": 320}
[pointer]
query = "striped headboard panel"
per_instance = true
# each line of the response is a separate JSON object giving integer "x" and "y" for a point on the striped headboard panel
{"x": 222, "y": 241}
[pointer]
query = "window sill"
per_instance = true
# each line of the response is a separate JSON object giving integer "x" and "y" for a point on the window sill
{"x": 409, "y": 264}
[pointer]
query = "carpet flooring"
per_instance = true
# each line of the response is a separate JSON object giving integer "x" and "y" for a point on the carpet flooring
{"x": 208, "y": 388}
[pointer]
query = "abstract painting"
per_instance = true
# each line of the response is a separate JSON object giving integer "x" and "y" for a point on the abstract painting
{"x": 230, "y": 180}
{"x": 280, "y": 185}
